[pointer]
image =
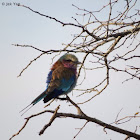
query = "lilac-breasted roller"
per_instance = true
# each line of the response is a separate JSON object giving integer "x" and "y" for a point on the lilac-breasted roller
{"x": 61, "y": 79}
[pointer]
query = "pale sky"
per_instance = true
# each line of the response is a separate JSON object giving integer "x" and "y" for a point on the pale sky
{"x": 20, "y": 26}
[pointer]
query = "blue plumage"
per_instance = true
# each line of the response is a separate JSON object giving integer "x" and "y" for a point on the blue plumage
{"x": 66, "y": 84}
{"x": 49, "y": 77}
{"x": 65, "y": 87}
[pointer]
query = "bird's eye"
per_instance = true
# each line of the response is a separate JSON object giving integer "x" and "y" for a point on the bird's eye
{"x": 68, "y": 60}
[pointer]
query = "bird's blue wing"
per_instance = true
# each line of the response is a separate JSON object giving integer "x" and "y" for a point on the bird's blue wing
{"x": 65, "y": 87}
{"x": 62, "y": 86}
{"x": 49, "y": 78}
{"x": 58, "y": 85}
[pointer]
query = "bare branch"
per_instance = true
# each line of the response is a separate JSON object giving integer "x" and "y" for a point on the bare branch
{"x": 80, "y": 130}
{"x": 30, "y": 64}
{"x": 50, "y": 122}
{"x": 83, "y": 117}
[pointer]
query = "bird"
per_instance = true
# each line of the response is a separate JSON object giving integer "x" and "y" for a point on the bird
{"x": 61, "y": 79}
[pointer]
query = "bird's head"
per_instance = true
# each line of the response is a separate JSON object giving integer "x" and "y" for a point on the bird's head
{"x": 69, "y": 60}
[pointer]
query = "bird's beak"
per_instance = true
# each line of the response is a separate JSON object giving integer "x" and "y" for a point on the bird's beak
{"x": 78, "y": 62}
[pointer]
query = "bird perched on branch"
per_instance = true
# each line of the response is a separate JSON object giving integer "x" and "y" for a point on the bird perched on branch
{"x": 60, "y": 81}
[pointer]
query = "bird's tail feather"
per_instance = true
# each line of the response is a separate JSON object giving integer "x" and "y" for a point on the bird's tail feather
{"x": 35, "y": 101}
{"x": 27, "y": 108}
{"x": 40, "y": 97}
